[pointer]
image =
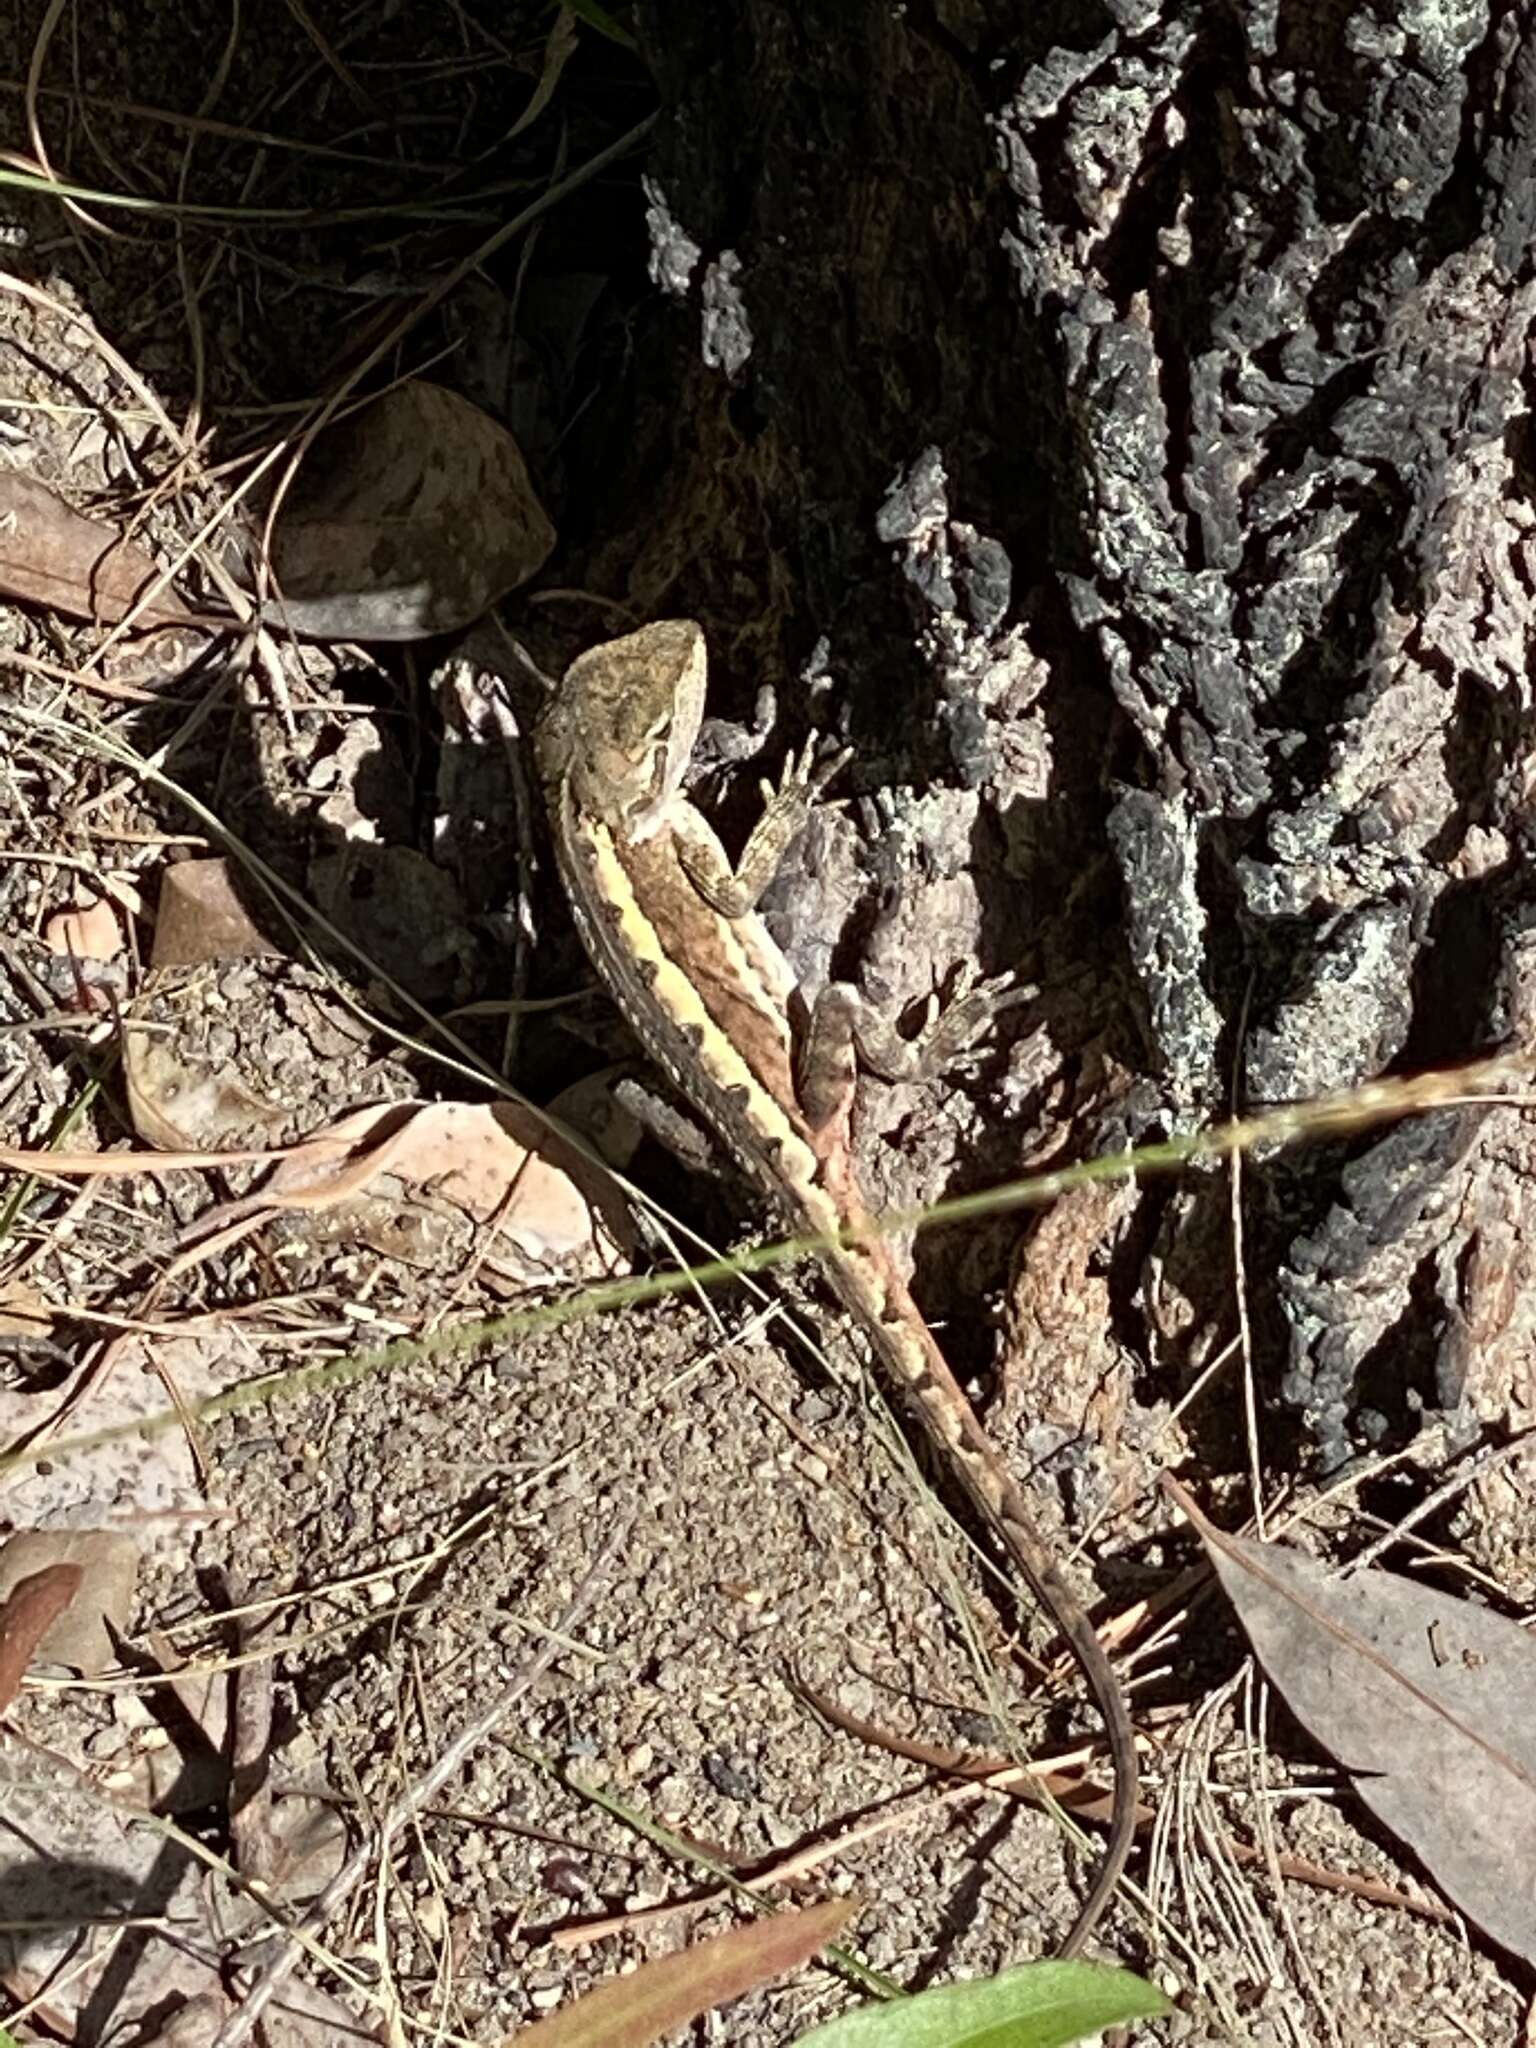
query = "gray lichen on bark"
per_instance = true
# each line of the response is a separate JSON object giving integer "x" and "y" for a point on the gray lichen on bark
{"x": 1293, "y": 327}
{"x": 1210, "y": 406}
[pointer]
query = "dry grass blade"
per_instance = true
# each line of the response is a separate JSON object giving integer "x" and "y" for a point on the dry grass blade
{"x": 1423, "y": 1698}
{"x": 661, "y": 1996}
{"x": 1065, "y": 1788}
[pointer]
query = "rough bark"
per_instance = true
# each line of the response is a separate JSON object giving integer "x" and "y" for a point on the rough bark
{"x": 1136, "y": 396}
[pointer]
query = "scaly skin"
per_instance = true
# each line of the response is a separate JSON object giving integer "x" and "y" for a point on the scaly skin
{"x": 675, "y": 938}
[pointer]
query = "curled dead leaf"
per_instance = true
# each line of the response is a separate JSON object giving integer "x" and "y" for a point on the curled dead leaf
{"x": 409, "y": 518}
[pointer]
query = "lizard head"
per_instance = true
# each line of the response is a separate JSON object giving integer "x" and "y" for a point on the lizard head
{"x": 624, "y": 721}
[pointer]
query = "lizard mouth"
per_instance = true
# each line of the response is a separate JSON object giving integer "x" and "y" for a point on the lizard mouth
{"x": 645, "y": 819}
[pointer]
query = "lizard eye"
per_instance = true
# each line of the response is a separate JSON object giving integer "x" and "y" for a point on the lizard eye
{"x": 657, "y": 734}
{"x": 639, "y": 728}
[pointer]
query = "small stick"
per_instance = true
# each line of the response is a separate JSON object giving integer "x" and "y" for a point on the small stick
{"x": 242, "y": 2023}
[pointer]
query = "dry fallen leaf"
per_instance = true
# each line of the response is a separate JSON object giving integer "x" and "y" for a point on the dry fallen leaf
{"x": 664, "y": 1995}
{"x": 495, "y": 1163}
{"x": 408, "y": 519}
{"x": 104, "y": 1564}
{"x": 31, "y": 1608}
{"x": 90, "y": 930}
{"x": 52, "y": 555}
{"x": 25, "y": 1311}
{"x": 1424, "y": 1699}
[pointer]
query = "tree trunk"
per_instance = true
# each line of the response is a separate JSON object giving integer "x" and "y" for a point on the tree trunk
{"x": 1133, "y": 401}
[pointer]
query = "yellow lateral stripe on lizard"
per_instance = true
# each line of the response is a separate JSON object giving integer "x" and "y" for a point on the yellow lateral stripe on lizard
{"x": 677, "y": 996}
{"x": 709, "y": 995}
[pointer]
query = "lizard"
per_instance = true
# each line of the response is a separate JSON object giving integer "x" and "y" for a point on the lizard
{"x": 672, "y": 929}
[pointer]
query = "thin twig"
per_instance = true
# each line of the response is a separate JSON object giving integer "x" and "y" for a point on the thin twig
{"x": 1475, "y": 1467}
{"x": 242, "y": 2023}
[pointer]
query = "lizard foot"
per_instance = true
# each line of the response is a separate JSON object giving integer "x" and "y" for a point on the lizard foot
{"x": 786, "y": 806}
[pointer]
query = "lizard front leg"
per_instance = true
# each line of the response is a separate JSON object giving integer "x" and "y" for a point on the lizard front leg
{"x": 735, "y": 891}
{"x": 845, "y": 1026}
{"x": 846, "y": 1029}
